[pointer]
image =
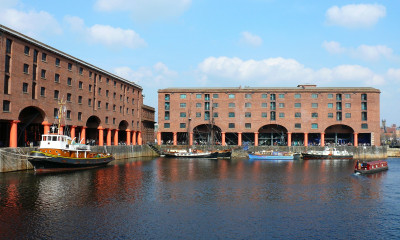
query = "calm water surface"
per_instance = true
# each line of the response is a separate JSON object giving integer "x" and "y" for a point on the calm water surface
{"x": 203, "y": 199}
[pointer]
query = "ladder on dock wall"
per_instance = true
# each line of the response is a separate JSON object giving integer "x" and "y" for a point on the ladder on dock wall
{"x": 155, "y": 148}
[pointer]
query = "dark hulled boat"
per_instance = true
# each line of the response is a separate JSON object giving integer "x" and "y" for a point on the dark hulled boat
{"x": 370, "y": 167}
{"x": 191, "y": 154}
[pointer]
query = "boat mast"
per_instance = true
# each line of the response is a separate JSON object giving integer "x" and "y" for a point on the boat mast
{"x": 61, "y": 105}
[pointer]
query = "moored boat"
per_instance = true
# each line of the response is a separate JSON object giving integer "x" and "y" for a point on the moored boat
{"x": 191, "y": 154}
{"x": 224, "y": 154}
{"x": 370, "y": 167}
{"x": 327, "y": 153}
{"x": 273, "y": 155}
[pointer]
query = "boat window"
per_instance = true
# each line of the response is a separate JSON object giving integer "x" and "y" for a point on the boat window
{"x": 44, "y": 138}
{"x": 54, "y": 138}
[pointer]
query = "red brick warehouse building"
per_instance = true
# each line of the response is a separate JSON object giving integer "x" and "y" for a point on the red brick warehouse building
{"x": 100, "y": 106}
{"x": 302, "y": 115}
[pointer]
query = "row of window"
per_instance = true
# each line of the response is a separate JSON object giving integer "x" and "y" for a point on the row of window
{"x": 248, "y": 125}
{"x": 272, "y": 96}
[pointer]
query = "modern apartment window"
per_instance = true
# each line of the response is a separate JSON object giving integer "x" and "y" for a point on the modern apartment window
{"x": 8, "y": 45}
{"x": 264, "y": 95}
{"x": 297, "y": 96}
{"x": 80, "y": 71}
{"x": 281, "y": 95}
{"x": 273, "y": 105}
{"x": 26, "y": 68}
{"x": 166, "y": 97}
{"x": 35, "y": 55}
{"x": 57, "y": 78}
{"x": 247, "y": 105}
{"x": 69, "y": 97}
{"x": 364, "y": 116}
{"x": 281, "y": 115}
{"x": 182, "y": 105}
{"x": 263, "y": 114}
{"x": 330, "y": 115}
{"x": 198, "y": 105}
{"x": 79, "y": 116}
{"x": 314, "y": 105}
{"x": 297, "y": 105}
{"x": 90, "y": 102}
{"x": 314, "y": 115}
{"x": 182, "y": 114}
{"x": 43, "y": 74}
{"x": 330, "y": 96}
{"x": 247, "y": 96}
{"x": 281, "y": 105}
{"x": 272, "y": 97}
{"x": 231, "y": 114}
{"x": 69, "y": 66}
{"x": 69, "y": 81}
{"x": 42, "y": 91}
{"x": 6, "y": 106}
{"x": 25, "y": 87}
{"x": 364, "y": 125}
{"x": 44, "y": 57}
{"x": 215, "y": 114}
{"x": 314, "y": 125}
{"x": 215, "y": 96}
{"x": 183, "y": 96}
{"x": 330, "y": 105}
{"x": 182, "y": 125}
{"x": 231, "y": 96}
{"x": 198, "y": 114}
{"x": 264, "y": 105}
{"x": 347, "y": 105}
{"x": 247, "y": 114}
{"x": 80, "y": 85}
{"x": 231, "y": 125}
{"x": 297, "y": 114}
{"x": 57, "y": 62}
{"x": 272, "y": 115}
{"x": 166, "y": 106}
{"x": 364, "y": 97}
{"x": 338, "y": 97}
{"x": 297, "y": 125}
{"x": 90, "y": 87}
{"x": 364, "y": 106}
{"x": 231, "y": 105}
{"x": 215, "y": 105}
{"x": 56, "y": 94}
{"x": 26, "y": 50}
{"x": 347, "y": 96}
{"x": 339, "y": 116}
{"x": 314, "y": 95}
{"x": 198, "y": 96}
{"x": 68, "y": 114}
{"x": 166, "y": 125}
{"x": 247, "y": 125}
{"x": 347, "y": 115}
{"x": 55, "y": 112}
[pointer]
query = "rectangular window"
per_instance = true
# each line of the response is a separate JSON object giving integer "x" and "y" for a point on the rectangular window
{"x": 281, "y": 95}
{"x": 80, "y": 71}
{"x": 338, "y": 116}
{"x": 43, "y": 74}
{"x": 115, "y": 96}
{"x": 35, "y": 55}
{"x": 247, "y": 96}
{"x": 90, "y": 88}
{"x": 26, "y": 50}
{"x": 166, "y": 97}
{"x": 272, "y": 115}
{"x": 273, "y": 106}
{"x": 231, "y": 105}
{"x": 215, "y": 105}
{"x": 314, "y": 125}
{"x": 69, "y": 66}
{"x": 247, "y": 125}
{"x": 348, "y": 105}
{"x": 6, "y": 106}
{"x": 198, "y": 105}
{"x": 80, "y": 85}
{"x": 44, "y": 57}
{"x": 364, "y": 125}
{"x": 231, "y": 114}
{"x": 182, "y": 105}
{"x": 347, "y": 96}
{"x": 7, "y": 64}
{"x": 338, "y": 106}
{"x": 166, "y": 106}
{"x": 114, "y": 107}
{"x": 281, "y": 105}
{"x": 264, "y": 95}
{"x": 281, "y": 115}
{"x": 330, "y": 105}
{"x": 69, "y": 81}
{"x": 183, "y": 96}
{"x": 57, "y": 78}
{"x": 90, "y": 76}
{"x": 6, "y": 84}
{"x": 98, "y": 104}
{"x": 166, "y": 125}
{"x": 215, "y": 96}
{"x": 364, "y": 116}
{"x": 338, "y": 97}
{"x": 347, "y": 115}
{"x": 198, "y": 96}
{"x": 69, "y": 97}
{"x": 297, "y": 95}
{"x": 99, "y": 92}
{"x": 215, "y": 114}
{"x": 247, "y": 114}
{"x": 56, "y": 93}
{"x": 314, "y": 115}
{"x": 207, "y": 115}
{"x": 25, "y": 87}
{"x": 272, "y": 97}
{"x": 364, "y": 97}
{"x": 42, "y": 91}
{"x": 89, "y": 102}
{"x": 107, "y": 92}
{"x": 114, "y": 120}
{"x": 107, "y": 120}
{"x": 314, "y": 95}
{"x": 231, "y": 96}
{"x": 55, "y": 112}
{"x": 364, "y": 106}
{"x": 330, "y": 115}
{"x": 57, "y": 62}
{"x": 79, "y": 116}
{"x": 263, "y": 114}
{"x": 297, "y": 114}
{"x": 26, "y": 68}
{"x": 297, "y": 125}
{"x": 264, "y": 105}
{"x": 182, "y": 125}
{"x": 231, "y": 125}
{"x": 8, "y": 45}
{"x": 198, "y": 114}
{"x": 330, "y": 96}
{"x": 297, "y": 105}
{"x": 68, "y": 114}
{"x": 314, "y": 105}
{"x": 182, "y": 114}
{"x": 247, "y": 105}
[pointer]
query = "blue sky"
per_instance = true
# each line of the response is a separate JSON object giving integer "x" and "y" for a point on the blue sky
{"x": 225, "y": 43}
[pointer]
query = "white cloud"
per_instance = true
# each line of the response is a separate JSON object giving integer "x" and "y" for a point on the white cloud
{"x": 32, "y": 23}
{"x": 250, "y": 39}
{"x": 355, "y": 15}
{"x": 363, "y": 52}
{"x": 8, "y": 3}
{"x": 106, "y": 35}
{"x": 394, "y": 74}
{"x": 145, "y": 10}
{"x": 283, "y": 72}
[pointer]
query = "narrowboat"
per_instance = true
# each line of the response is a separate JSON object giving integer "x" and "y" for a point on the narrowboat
{"x": 370, "y": 167}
